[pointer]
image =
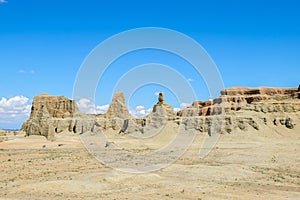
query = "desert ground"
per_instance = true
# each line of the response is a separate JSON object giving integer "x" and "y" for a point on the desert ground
{"x": 242, "y": 165}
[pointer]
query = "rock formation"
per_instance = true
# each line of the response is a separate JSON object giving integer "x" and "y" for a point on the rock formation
{"x": 118, "y": 107}
{"x": 161, "y": 99}
{"x": 238, "y": 108}
{"x": 52, "y": 114}
{"x": 241, "y": 108}
{"x": 163, "y": 110}
{"x": 58, "y": 107}
{"x": 237, "y": 98}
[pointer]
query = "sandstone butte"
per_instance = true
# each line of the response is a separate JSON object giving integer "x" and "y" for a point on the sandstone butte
{"x": 238, "y": 108}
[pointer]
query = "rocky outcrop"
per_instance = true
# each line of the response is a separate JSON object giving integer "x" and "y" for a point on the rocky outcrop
{"x": 51, "y": 115}
{"x": 255, "y": 99}
{"x": 237, "y": 108}
{"x": 162, "y": 109}
{"x": 161, "y": 113}
{"x": 38, "y": 124}
{"x": 241, "y": 108}
{"x": 44, "y": 109}
{"x": 161, "y": 99}
{"x": 118, "y": 107}
{"x": 225, "y": 124}
{"x": 233, "y": 91}
{"x": 58, "y": 107}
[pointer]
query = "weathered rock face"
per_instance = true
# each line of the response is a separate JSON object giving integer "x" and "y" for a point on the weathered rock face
{"x": 51, "y": 115}
{"x": 44, "y": 110}
{"x": 39, "y": 123}
{"x": 255, "y": 99}
{"x": 161, "y": 99}
{"x": 236, "y": 109}
{"x": 261, "y": 91}
{"x": 160, "y": 114}
{"x": 245, "y": 108}
{"x": 222, "y": 124}
{"x": 163, "y": 110}
{"x": 118, "y": 107}
{"x": 58, "y": 107}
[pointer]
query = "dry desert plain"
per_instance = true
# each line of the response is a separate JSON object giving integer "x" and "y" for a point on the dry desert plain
{"x": 243, "y": 165}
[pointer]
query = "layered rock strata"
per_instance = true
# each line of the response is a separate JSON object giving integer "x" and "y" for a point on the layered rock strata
{"x": 243, "y": 108}
{"x": 238, "y": 108}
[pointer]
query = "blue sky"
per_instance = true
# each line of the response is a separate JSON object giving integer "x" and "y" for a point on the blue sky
{"x": 43, "y": 44}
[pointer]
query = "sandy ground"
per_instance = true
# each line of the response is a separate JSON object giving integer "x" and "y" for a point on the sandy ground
{"x": 243, "y": 165}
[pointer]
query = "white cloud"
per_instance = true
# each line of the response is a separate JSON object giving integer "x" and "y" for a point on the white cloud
{"x": 140, "y": 111}
{"x": 14, "y": 110}
{"x": 140, "y": 108}
{"x": 102, "y": 109}
{"x": 14, "y": 102}
{"x": 190, "y": 80}
{"x": 88, "y": 107}
{"x": 184, "y": 105}
{"x": 22, "y": 71}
